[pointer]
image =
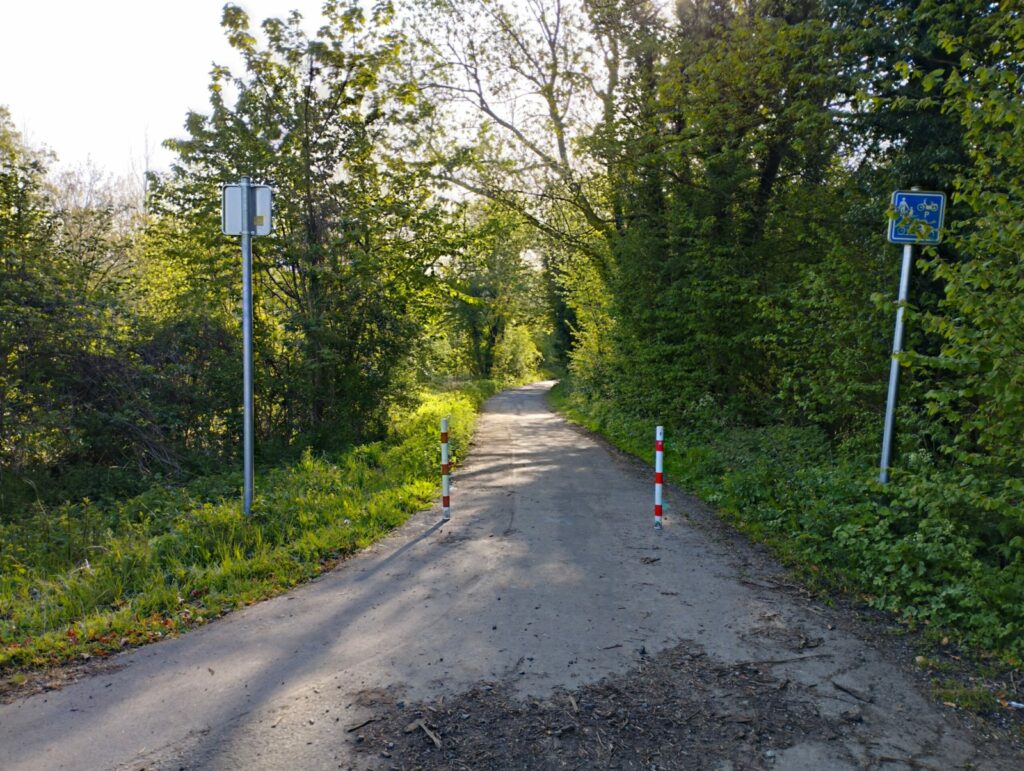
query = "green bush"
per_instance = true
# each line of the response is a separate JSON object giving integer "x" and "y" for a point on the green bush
{"x": 919, "y": 553}
{"x": 516, "y": 356}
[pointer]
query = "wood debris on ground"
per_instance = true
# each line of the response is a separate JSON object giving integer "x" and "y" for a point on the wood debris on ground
{"x": 680, "y": 710}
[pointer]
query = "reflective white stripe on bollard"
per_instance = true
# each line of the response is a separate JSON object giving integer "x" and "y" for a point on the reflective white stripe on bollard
{"x": 445, "y": 471}
{"x": 659, "y": 472}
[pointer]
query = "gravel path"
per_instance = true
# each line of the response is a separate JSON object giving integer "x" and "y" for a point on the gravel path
{"x": 546, "y": 626}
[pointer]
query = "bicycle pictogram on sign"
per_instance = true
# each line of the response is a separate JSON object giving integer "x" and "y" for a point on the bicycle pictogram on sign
{"x": 917, "y": 217}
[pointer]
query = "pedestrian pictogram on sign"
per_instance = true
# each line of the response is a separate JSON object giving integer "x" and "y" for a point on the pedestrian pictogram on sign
{"x": 917, "y": 217}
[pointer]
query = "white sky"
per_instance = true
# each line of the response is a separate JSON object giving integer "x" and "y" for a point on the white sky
{"x": 90, "y": 79}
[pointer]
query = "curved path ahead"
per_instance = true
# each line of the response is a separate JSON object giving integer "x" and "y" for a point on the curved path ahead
{"x": 549, "y": 575}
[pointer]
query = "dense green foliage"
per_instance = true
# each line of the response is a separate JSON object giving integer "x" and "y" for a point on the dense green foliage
{"x": 685, "y": 208}
{"x": 340, "y": 282}
{"x": 119, "y": 320}
{"x": 944, "y": 547}
{"x": 787, "y": 486}
{"x": 716, "y": 216}
{"x": 71, "y": 380}
{"x": 493, "y": 312}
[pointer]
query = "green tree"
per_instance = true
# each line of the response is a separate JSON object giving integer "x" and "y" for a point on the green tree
{"x": 29, "y": 297}
{"x": 74, "y": 414}
{"x": 339, "y": 284}
{"x": 496, "y": 295}
{"x": 978, "y": 385}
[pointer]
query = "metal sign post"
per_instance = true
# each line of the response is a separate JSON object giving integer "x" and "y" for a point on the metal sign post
{"x": 247, "y": 387}
{"x": 246, "y": 210}
{"x": 917, "y": 219}
{"x": 894, "y": 366}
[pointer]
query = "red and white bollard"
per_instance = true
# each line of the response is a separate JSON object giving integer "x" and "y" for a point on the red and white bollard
{"x": 659, "y": 473}
{"x": 445, "y": 472}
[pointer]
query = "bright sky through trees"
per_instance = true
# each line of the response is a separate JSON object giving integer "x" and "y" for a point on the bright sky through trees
{"x": 100, "y": 80}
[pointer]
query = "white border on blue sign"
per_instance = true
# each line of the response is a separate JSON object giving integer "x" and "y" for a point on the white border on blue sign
{"x": 935, "y": 236}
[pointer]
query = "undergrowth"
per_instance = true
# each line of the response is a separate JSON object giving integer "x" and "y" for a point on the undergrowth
{"x": 826, "y": 517}
{"x": 83, "y": 580}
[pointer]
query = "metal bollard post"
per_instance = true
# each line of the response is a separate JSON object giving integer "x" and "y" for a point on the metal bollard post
{"x": 659, "y": 473}
{"x": 445, "y": 473}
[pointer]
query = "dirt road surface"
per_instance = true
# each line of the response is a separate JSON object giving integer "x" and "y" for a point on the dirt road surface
{"x": 546, "y": 626}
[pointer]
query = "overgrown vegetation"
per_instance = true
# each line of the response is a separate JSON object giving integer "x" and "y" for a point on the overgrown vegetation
{"x": 120, "y": 345}
{"x": 718, "y": 209}
{"x": 790, "y": 488}
{"x": 684, "y": 207}
{"x": 119, "y": 330}
{"x": 90, "y": 579}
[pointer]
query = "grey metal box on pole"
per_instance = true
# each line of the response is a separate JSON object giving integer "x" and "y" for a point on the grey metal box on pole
{"x": 246, "y": 212}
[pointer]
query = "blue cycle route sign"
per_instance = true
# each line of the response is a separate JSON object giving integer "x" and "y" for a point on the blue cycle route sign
{"x": 917, "y": 217}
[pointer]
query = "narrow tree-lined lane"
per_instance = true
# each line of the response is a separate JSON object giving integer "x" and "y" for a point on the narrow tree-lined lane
{"x": 549, "y": 575}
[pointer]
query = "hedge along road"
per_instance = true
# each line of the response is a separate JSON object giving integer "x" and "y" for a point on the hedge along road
{"x": 549, "y": 576}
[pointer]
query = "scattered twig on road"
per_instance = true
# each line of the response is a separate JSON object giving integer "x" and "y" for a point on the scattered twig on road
{"x": 907, "y": 762}
{"x": 782, "y": 661}
{"x": 609, "y": 647}
{"x": 433, "y": 736}
{"x": 859, "y": 695}
{"x": 422, "y": 724}
{"x": 364, "y": 723}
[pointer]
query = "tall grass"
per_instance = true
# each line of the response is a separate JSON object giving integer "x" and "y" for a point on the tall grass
{"x": 83, "y": 579}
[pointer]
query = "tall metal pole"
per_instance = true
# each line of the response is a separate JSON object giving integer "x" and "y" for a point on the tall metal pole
{"x": 894, "y": 367}
{"x": 247, "y": 431}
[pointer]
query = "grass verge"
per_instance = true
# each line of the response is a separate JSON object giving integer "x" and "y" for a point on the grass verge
{"x": 81, "y": 580}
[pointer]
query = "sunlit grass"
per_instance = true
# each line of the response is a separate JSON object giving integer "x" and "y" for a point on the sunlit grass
{"x": 83, "y": 580}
